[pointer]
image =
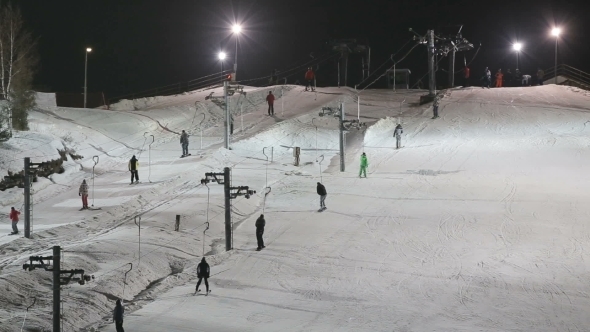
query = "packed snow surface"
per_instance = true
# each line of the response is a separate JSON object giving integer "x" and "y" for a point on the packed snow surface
{"x": 478, "y": 223}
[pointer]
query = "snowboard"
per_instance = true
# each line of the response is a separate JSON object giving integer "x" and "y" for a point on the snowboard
{"x": 185, "y": 155}
{"x": 322, "y": 209}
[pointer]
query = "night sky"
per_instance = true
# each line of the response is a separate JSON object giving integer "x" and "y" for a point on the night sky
{"x": 139, "y": 45}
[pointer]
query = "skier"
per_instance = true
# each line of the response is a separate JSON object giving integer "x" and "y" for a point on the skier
{"x": 310, "y": 77}
{"x": 466, "y": 73}
{"x": 509, "y": 78}
{"x": 526, "y": 80}
{"x": 364, "y": 164}
{"x": 398, "y": 135}
{"x": 118, "y": 316}
{"x": 203, "y": 273}
{"x": 517, "y": 77}
{"x": 435, "y": 108}
{"x": 133, "y": 166}
{"x": 14, "y": 218}
{"x": 83, "y": 191}
{"x": 260, "y": 223}
{"x": 499, "y": 77}
{"x": 487, "y": 78}
{"x": 270, "y": 99}
{"x": 540, "y": 74}
{"x": 184, "y": 143}
{"x": 322, "y": 192}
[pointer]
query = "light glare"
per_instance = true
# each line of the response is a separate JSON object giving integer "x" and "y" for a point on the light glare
{"x": 556, "y": 32}
{"x": 88, "y": 49}
{"x": 221, "y": 55}
{"x": 517, "y": 47}
{"x": 237, "y": 28}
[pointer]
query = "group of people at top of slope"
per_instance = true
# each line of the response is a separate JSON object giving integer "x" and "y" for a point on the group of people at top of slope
{"x": 310, "y": 80}
{"x": 501, "y": 79}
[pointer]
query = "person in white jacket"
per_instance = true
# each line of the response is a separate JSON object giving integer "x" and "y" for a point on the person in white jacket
{"x": 83, "y": 191}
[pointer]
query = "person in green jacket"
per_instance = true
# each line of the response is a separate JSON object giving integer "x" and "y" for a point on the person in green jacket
{"x": 364, "y": 164}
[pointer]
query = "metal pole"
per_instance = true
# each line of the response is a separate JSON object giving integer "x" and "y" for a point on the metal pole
{"x": 226, "y": 133}
{"x": 432, "y": 77}
{"x": 556, "y": 37}
{"x": 226, "y": 190}
{"x": 85, "y": 77}
{"x": 282, "y": 103}
{"x": 56, "y": 287}
{"x": 346, "y": 70}
{"x": 517, "y": 55}
{"x": 394, "y": 76}
{"x": 242, "y": 117}
{"x": 138, "y": 223}
{"x": 342, "y": 137}
{"x": 358, "y": 106}
{"x": 452, "y": 68}
{"x": 236, "y": 60}
{"x": 27, "y": 198}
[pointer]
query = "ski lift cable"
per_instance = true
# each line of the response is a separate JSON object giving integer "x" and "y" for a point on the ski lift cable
{"x": 382, "y": 75}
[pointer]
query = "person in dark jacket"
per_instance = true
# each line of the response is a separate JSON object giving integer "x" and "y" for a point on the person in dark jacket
{"x": 184, "y": 143}
{"x": 435, "y": 108}
{"x": 260, "y": 223}
{"x": 270, "y": 99}
{"x": 133, "y": 166}
{"x": 118, "y": 316}
{"x": 398, "y": 135}
{"x": 203, "y": 273}
{"x": 322, "y": 192}
{"x": 540, "y": 75}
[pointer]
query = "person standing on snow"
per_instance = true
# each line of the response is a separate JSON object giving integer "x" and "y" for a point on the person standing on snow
{"x": 184, "y": 143}
{"x": 509, "y": 78}
{"x": 270, "y": 99}
{"x": 203, "y": 273}
{"x": 118, "y": 316}
{"x": 540, "y": 74}
{"x": 435, "y": 108}
{"x": 322, "y": 192}
{"x": 499, "y": 77}
{"x": 364, "y": 164}
{"x": 133, "y": 166}
{"x": 517, "y": 77}
{"x": 310, "y": 77}
{"x": 466, "y": 74}
{"x": 398, "y": 135}
{"x": 83, "y": 191}
{"x": 14, "y": 218}
{"x": 487, "y": 78}
{"x": 260, "y": 223}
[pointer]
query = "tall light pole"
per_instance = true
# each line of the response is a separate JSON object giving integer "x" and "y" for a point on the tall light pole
{"x": 517, "y": 47}
{"x": 236, "y": 30}
{"x": 555, "y": 32}
{"x": 88, "y": 50}
{"x": 221, "y": 57}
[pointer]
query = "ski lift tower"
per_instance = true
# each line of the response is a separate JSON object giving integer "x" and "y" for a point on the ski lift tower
{"x": 346, "y": 47}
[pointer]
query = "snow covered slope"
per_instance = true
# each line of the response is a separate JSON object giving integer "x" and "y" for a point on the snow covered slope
{"x": 477, "y": 223}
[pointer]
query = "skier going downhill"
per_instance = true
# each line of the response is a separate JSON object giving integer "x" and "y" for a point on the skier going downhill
{"x": 83, "y": 191}
{"x": 364, "y": 164}
{"x": 184, "y": 143}
{"x": 270, "y": 99}
{"x": 398, "y": 135}
{"x": 322, "y": 192}
{"x": 133, "y": 166}
{"x": 14, "y": 218}
{"x": 118, "y": 316}
{"x": 260, "y": 223}
{"x": 203, "y": 273}
{"x": 310, "y": 78}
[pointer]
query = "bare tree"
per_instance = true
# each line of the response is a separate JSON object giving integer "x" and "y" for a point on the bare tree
{"x": 18, "y": 59}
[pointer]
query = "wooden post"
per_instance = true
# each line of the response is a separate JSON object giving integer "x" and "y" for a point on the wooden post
{"x": 177, "y": 225}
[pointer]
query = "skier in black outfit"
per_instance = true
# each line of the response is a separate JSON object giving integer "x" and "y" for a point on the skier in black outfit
{"x": 398, "y": 135}
{"x": 133, "y": 166}
{"x": 118, "y": 316}
{"x": 203, "y": 273}
{"x": 322, "y": 192}
{"x": 260, "y": 223}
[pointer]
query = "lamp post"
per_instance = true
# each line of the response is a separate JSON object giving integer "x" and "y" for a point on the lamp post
{"x": 555, "y": 32}
{"x": 88, "y": 50}
{"x": 517, "y": 47}
{"x": 236, "y": 30}
{"x": 221, "y": 57}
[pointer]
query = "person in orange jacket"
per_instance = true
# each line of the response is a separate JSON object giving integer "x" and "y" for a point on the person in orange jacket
{"x": 310, "y": 77}
{"x": 14, "y": 218}
{"x": 499, "y": 77}
{"x": 270, "y": 99}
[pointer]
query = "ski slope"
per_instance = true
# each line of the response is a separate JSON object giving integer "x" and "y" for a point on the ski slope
{"x": 477, "y": 223}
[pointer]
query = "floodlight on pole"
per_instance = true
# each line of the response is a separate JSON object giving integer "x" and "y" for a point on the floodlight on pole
{"x": 221, "y": 57}
{"x": 517, "y": 47}
{"x": 88, "y": 50}
{"x": 555, "y": 32}
{"x": 236, "y": 29}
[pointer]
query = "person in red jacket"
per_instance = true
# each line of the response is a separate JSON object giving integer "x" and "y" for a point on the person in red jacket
{"x": 499, "y": 77}
{"x": 466, "y": 73}
{"x": 310, "y": 77}
{"x": 14, "y": 217}
{"x": 270, "y": 99}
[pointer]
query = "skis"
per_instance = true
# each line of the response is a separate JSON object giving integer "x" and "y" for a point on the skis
{"x": 185, "y": 155}
{"x": 198, "y": 290}
{"x": 322, "y": 209}
{"x": 136, "y": 182}
{"x": 90, "y": 208}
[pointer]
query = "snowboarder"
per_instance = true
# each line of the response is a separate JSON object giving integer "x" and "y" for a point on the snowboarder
{"x": 260, "y": 223}
{"x": 118, "y": 316}
{"x": 499, "y": 77}
{"x": 133, "y": 166}
{"x": 435, "y": 108}
{"x": 398, "y": 135}
{"x": 310, "y": 78}
{"x": 487, "y": 78}
{"x": 184, "y": 143}
{"x": 540, "y": 74}
{"x": 14, "y": 218}
{"x": 466, "y": 73}
{"x": 364, "y": 164}
{"x": 322, "y": 192}
{"x": 270, "y": 99}
{"x": 203, "y": 273}
{"x": 83, "y": 191}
